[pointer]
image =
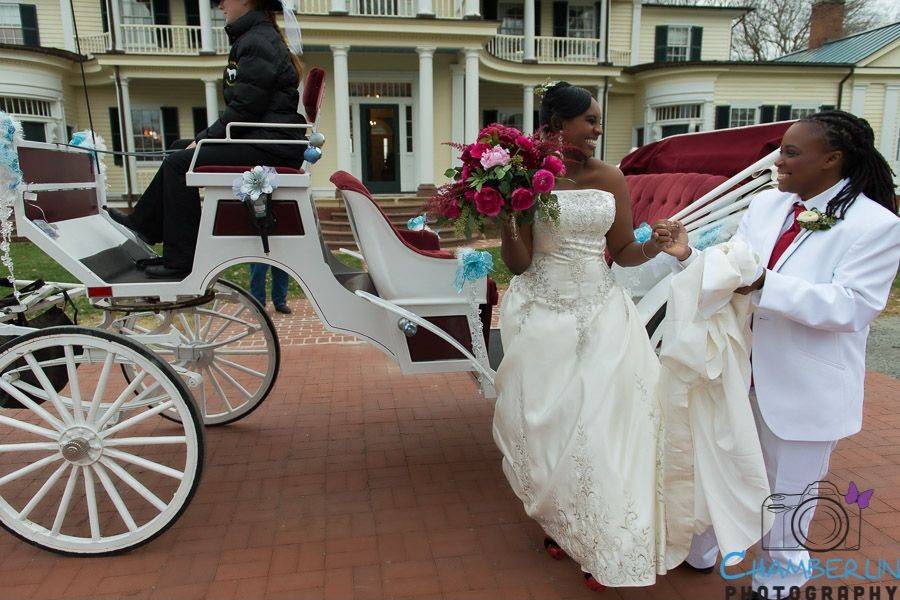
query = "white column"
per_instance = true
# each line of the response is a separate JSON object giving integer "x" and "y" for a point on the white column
{"x": 68, "y": 27}
{"x": 528, "y": 109}
{"x": 636, "y": 37}
{"x": 62, "y": 134}
{"x": 129, "y": 134}
{"x": 211, "y": 87}
{"x": 116, "y": 17}
{"x": 528, "y": 50}
{"x": 425, "y": 9}
{"x": 709, "y": 116}
{"x": 605, "y": 7}
{"x": 341, "y": 106}
{"x": 472, "y": 9}
{"x": 598, "y": 149}
{"x": 858, "y": 101}
{"x": 425, "y": 151}
{"x": 338, "y": 7}
{"x": 206, "y": 34}
{"x": 473, "y": 118}
{"x": 457, "y": 110}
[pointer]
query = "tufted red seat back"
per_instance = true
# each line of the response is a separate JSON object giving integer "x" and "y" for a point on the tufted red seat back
{"x": 313, "y": 93}
{"x": 661, "y": 195}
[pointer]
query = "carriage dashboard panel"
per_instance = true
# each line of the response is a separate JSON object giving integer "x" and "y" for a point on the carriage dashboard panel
{"x": 232, "y": 219}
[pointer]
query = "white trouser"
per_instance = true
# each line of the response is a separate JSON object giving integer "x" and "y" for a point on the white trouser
{"x": 791, "y": 467}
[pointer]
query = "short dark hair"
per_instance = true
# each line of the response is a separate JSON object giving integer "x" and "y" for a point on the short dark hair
{"x": 563, "y": 101}
{"x": 863, "y": 164}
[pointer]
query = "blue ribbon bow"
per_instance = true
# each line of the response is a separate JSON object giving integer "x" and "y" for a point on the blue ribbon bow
{"x": 473, "y": 265}
{"x": 416, "y": 223}
{"x": 643, "y": 232}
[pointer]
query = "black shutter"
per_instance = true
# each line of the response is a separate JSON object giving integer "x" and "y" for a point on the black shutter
{"x": 192, "y": 12}
{"x": 488, "y": 117}
{"x": 696, "y": 42}
{"x": 560, "y": 19}
{"x": 28, "y": 15}
{"x": 116, "y": 135}
{"x": 161, "y": 13}
{"x": 639, "y": 137}
{"x": 827, "y": 107}
{"x": 598, "y": 7}
{"x": 170, "y": 125}
{"x": 537, "y": 17}
{"x": 766, "y": 113}
{"x": 103, "y": 16}
{"x": 489, "y": 9}
{"x": 723, "y": 117}
{"x": 199, "y": 115}
{"x": 660, "y": 43}
{"x": 784, "y": 113}
{"x": 536, "y": 120}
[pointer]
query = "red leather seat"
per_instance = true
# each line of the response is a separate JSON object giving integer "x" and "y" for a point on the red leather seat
{"x": 661, "y": 195}
{"x": 241, "y": 169}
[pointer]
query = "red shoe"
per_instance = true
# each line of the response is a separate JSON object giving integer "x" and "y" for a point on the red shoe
{"x": 553, "y": 549}
{"x": 593, "y": 584}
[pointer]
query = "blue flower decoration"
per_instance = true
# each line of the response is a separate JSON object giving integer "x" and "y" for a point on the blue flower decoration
{"x": 643, "y": 232}
{"x": 416, "y": 223}
{"x": 473, "y": 265}
{"x": 709, "y": 237}
{"x": 255, "y": 182}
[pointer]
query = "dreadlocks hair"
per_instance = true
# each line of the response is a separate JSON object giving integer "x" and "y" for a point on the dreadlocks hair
{"x": 863, "y": 165}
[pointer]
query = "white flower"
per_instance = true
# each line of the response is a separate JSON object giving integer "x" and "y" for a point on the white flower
{"x": 808, "y": 216}
{"x": 256, "y": 182}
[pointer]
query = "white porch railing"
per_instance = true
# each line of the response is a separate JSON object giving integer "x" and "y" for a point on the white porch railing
{"x": 97, "y": 43}
{"x": 548, "y": 50}
{"x": 448, "y": 9}
{"x": 314, "y": 7}
{"x": 620, "y": 58}
{"x": 161, "y": 39}
{"x": 383, "y": 8}
{"x": 220, "y": 41}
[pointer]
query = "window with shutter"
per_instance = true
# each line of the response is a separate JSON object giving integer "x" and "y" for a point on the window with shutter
{"x": 147, "y": 130}
{"x": 116, "y": 134}
{"x": 696, "y": 42}
{"x": 28, "y": 16}
{"x": 723, "y": 117}
{"x": 766, "y": 113}
{"x": 660, "y": 43}
{"x": 678, "y": 43}
{"x": 741, "y": 117}
{"x": 783, "y": 113}
{"x": 170, "y": 125}
{"x": 512, "y": 18}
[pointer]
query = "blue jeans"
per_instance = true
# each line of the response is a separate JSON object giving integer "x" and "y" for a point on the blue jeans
{"x": 258, "y": 284}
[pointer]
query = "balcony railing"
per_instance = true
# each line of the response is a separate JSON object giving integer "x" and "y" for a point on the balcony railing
{"x": 548, "y": 50}
{"x": 94, "y": 44}
{"x": 620, "y": 58}
{"x": 161, "y": 39}
{"x": 443, "y": 9}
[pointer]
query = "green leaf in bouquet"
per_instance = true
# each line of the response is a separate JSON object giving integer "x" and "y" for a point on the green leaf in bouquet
{"x": 451, "y": 172}
{"x": 504, "y": 187}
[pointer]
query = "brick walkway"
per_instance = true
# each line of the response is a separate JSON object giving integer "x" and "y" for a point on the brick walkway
{"x": 353, "y": 481}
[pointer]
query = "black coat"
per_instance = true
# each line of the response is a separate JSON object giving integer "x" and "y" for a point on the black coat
{"x": 260, "y": 86}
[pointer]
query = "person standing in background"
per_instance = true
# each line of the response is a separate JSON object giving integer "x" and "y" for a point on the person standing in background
{"x": 279, "y": 286}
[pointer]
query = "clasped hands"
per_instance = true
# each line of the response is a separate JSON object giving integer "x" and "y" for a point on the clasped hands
{"x": 671, "y": 237}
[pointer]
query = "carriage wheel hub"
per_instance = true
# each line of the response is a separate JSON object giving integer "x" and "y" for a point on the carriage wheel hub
{"x": 81, "y": 446}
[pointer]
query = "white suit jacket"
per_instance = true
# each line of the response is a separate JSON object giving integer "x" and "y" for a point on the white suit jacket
{"x": 812, "y": 315}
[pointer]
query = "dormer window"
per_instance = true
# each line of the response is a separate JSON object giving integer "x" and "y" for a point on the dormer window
{"x": 677, "y": 43}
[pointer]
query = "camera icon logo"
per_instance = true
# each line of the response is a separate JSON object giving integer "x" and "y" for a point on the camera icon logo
{"x": 837, "y": 528}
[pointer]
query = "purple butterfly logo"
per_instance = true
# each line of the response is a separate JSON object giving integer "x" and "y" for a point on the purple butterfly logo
{"x": 854, "y": 496}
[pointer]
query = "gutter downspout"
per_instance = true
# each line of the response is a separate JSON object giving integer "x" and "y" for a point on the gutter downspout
{"x": 122, "y": 133}
{"x": 840, "y": 89}
{"x": 605, "y": 96}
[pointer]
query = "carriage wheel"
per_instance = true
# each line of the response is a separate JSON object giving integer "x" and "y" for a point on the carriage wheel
{"x": 230, "y": 342}
{"x": 85, "y": 470}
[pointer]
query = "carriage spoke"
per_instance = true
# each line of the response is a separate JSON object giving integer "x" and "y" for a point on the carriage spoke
{"x": 51, "y": 481}
{"x": 131, "y": 421}
{"x": 90, "y": 495}
{"x": 24, "y": 426}
{"x": 74, "y": 388}
{"x": 101, "y": 385}
{"x": 113, "y": 494}
{"x": 64, "y": 501}
{"x": 126, "y": 393}
{"x": 49, "y": 389}
{"x": 45, "y": 446}
{"x": 239, "y": 367}
{"x": 186, "y": 325}
{"x": 38, "y": 464}
{"x": 196, "y": 325}
{"x": 31, "y": 404}
{"x": 143, "y": 462}
{"x": 209, "y": 318}
{"x": 231, "y": 380}
{"x": 134, "y": 484}
{"x": 235, "y": 338}
{"x": 219, "y": 390}
{"x": 146, "y": 441}
{"x": 227, "y": 322}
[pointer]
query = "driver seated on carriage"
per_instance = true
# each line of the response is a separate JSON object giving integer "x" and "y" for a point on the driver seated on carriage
{"x": 260, "y": 85}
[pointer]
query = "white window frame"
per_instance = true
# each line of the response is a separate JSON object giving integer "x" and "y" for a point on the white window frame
{"x": 134, "y": 136}
{"x": 694, "y": 122}
{"x": 742, "y": 107}
{"x": 11, "y": 31}
{"x": 591, "y": 31}
{"x": 510, "y": 29}
{"x": 130, "y": 18}
{"x": 807, "y": 108}
{"x": 671, "y": 47}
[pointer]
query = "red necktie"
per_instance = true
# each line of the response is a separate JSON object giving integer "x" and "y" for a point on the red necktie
{"x": 787, "y": 237}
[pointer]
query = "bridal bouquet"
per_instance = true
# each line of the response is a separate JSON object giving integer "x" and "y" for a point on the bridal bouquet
{"x": 504, "y": 175}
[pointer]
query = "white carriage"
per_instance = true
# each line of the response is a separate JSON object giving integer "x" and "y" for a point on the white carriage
{"x": 89, "y": 467}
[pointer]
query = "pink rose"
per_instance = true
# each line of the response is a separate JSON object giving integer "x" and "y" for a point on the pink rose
{"x": 554, "y": 165}
{"x": 495, "y": 157}
{"x": 522, "y": 199}
{"x": 488, "y": 201}
{"x": 543, "y": 181}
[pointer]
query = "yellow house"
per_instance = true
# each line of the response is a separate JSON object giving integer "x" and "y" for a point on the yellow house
{"x": 405, "y": 76}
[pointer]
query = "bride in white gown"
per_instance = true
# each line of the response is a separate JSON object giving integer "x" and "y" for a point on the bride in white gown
{"x": 577, "y": 418}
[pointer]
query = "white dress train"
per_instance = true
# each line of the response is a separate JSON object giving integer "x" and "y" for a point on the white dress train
{"x": 577, "y": 418}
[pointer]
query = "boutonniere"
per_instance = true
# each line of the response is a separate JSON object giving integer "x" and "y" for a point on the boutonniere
{"x": 815, "y": 220}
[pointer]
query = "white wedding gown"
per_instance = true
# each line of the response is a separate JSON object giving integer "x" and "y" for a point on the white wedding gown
{"x": 578, "y": 419}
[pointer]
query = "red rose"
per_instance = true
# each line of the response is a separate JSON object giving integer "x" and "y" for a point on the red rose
{"x": 543, "y": 181}
{"x": 488, "y": 201}
{"x": 522, "y": 199}
{"x": 476, "y": 150}
{"x": 450, "y": 209}
{"x": 554, "y": 165}
{"x": 524, "y": 143}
